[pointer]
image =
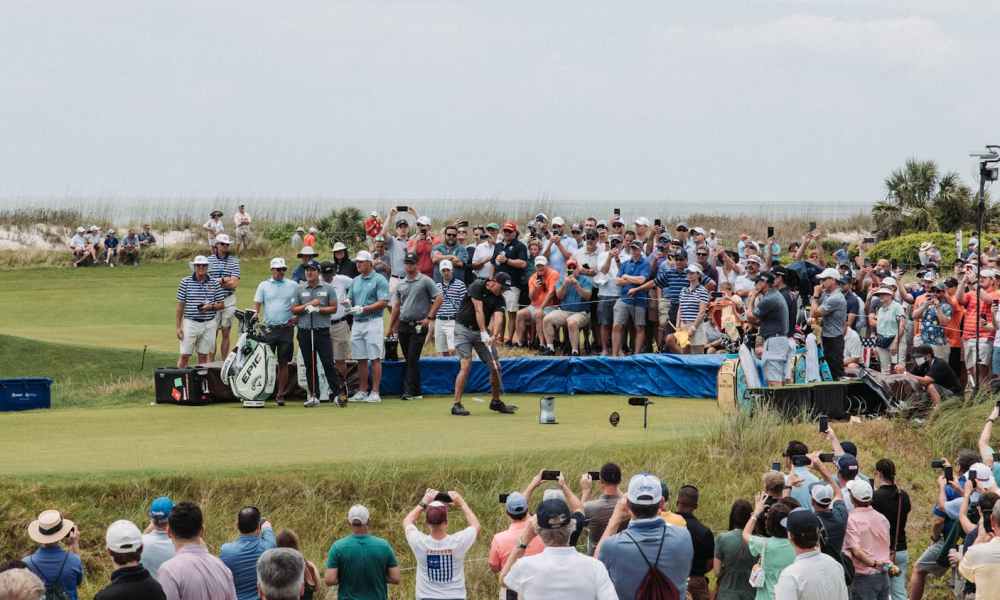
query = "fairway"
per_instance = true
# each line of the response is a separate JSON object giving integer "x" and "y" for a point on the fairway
{"x": 172, "y": 439}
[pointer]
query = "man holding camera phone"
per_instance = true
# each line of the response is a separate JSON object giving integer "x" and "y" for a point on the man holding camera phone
{"x": 199, "y": 298}
{"x": 440, "y": 556}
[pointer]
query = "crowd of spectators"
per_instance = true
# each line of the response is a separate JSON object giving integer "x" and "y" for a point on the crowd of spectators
{"x": 92, "y": 246}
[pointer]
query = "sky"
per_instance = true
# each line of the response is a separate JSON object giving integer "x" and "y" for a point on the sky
{"x": 766, "y": 101}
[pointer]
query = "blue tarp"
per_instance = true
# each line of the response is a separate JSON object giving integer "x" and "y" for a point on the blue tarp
{"x": 642, "y": 375}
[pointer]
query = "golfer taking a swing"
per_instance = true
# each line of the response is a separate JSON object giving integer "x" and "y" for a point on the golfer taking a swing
{"x": 472, "y": 332}
{"x": 314, "y": 303}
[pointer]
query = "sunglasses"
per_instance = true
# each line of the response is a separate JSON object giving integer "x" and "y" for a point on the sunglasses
{"x": 451, "y": 235}
{"x": 282, "y": 269}
{"x": 703, "y": 254}
{"x": 575, "y": 231}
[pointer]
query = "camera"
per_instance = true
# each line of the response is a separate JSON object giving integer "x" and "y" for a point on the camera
{"x": 595, "y": 475}
{"x": 503, "y": 498}
{"x": 937, "y": 464}
{"x": 776, "y": 466}
{"x": 826, "y": 457}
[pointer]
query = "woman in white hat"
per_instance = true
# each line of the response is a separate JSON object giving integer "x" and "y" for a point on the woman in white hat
{"x": 214, "y": 226}
{"x": 57, "y": 567}
{"x": 888, "y": 321}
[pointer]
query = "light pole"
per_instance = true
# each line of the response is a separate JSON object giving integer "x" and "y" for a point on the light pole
{"x": 988, "y": 171}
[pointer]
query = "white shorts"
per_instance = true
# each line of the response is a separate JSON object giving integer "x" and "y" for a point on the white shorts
{"x": 368, "y": 340}
{"x": 227, "y": 315}
{"x": 700, "y": 337}
{"x": 199, "y": 336}
{"x": 444, "y": 335}
{"x": 512, "y": 298}
{"x": 969, "y": 352}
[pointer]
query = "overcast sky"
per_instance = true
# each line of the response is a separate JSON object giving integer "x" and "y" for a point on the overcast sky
{"x": 769, "y": 100}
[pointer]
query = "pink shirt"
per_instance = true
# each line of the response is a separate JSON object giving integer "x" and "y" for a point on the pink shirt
{"x": 504, "y": 543}
{"x": 194, "y": 574}
{"x": 868, "y": 530}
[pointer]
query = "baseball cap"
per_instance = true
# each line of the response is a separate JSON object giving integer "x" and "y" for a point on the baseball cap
{"x": 642, "y": 221}
{"x": 503, "y": 279}
{"x": 123, "y": 537}
{"x": 801, "y": 520}
{"x": 847, "y": 465}
{"x": 983, "y": 475}
{"x": 602, "y": 223}
{"x": 278, "y": 263}
{"x": 402, "y": 222}
{"x": 363, "y": 256}
{"x": 765, "y": 276}
{"x": 373, "y": 213}
{"x": 358, "y": 515}
{"x": 693, "y": 268}
{"x": 821, "y": 493}
{"x": 161, "y": 508}
{"x": 219, "y": 239}
{"x": 410, "y": 257}
{"x": 306, "y": 251}
{"x": 553, "y": 514}
{"x": 423, "y": 221}
{"x": 558, "y": 221}
{"x": 636, "y": 244}
{"x": 199, "y": 260}
{"x": 511, "y": 225}
{"x": 883, "y": 290}
{"x": 312, "y": 265}
{"x": 437, "y": 513}
{"x": 444, "y": 265}
{"x": 698, "y": 230}
{"x": 889, "y": 281}
{"x": 327, "y": 267}
{"x": 541, "y": 261}
{"x": 680, "y": 226}
{"x": 860, "y": 490}
{"x": 541, "y": 217}
{"x": 493, "y": 226}
{"x": 339, "y": 246}
{"x": 644, "y": 489}
{"x": 829, "y": 273}
{"x": 516, "y": 504}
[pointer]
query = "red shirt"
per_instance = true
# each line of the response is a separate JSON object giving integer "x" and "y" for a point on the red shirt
{"x": 969, "y": 323}
{"x": 373, "y": 227}
{"x": 422, "y": 248}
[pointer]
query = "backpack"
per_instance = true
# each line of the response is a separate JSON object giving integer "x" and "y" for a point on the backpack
{"x": 55, "y": 589}
{"x": 844, "y": 560}
{"x": 655, "y": 585}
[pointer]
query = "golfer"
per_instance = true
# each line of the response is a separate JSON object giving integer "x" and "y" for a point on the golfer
{"x": 314, "y": 303}
{"x": 198, "y": 298}
{"x": 414, "y": 307}
{"x": 340, "y": 322}
{"x": 224, "y": 268}
{"x": 277, "y": 296}
{"x": 369, "y": 295}
{"x": 472, "y": 332}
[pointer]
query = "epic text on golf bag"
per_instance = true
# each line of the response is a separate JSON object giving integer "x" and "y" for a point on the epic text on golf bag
{"x": 250, "y": 369}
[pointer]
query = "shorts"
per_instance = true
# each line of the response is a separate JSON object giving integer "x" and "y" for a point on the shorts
{"x": 468, "y": 341}
{"x": 927, "y": 563}
{"x": 199, "y": 336}
{"x": 664, "y": 310}
{"x": 511, "y": 298}
{"x": 340, "y": 337}
{"x": 534, "y": 312}
{"x": 625, "y": 313}
{"x": 368, "y": 339}
{"x": 559, "y": 318}
{"x": 227, "y": 315}
{"x": 444, "y": 335}
{"x": 700, "y": 337}
{"x": 775, "y": 357}
{"x": 969, "y": 352}
{"x": 606, "y": 310}
{"x": 280, "y": 339}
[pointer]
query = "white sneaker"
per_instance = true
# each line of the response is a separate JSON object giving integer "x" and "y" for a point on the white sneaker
{"x": 311, "y": 402}
{"x": 359, "y": 396}
{"x": 373, "y": 398}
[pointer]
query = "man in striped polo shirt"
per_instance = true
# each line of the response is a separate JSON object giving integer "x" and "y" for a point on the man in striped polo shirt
{"x": 224, "y": 268}
{"x": 692, "y": 309}
{"x": 453, "y": 293}
{"x": 199, "y": 297}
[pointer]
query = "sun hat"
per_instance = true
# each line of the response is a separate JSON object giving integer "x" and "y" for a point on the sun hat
{"x": 220, "y": 239}
{"x": 123, "y": 537}
{"x": 49, "y": 527}
{"x": 363, "y": 256}
{"x": 358, "y": 515}
{"x": 278, "y": 263}
{"x": 644, "y": 489}
{"x": 339, "y": 247}
{"x": 553, "y": 514}
{"x": 642, "y": 221}
{"x": 306, "y": 251}
{"x": 199, "y": 260}
{"x": 698, "y": 230}
{"x": 313, "y": 230}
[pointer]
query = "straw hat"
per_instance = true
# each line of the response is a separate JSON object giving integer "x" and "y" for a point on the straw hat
{"x": 50, "y": 527}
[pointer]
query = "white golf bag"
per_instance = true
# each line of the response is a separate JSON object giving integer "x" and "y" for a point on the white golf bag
{"x": 251, "y": 369}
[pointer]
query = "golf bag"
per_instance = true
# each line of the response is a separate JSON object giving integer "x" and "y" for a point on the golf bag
{"x": 251, "y": 369}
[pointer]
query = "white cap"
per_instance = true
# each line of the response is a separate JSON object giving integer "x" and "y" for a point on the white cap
{"x": 123, "y": 537}
{"x": 644, "y": 489}
{"x": 445, "y": 264}
{"x": 983, "y": 475}
{"x": 358, "y": 515}
{"x": 988, "y": 273}
{"x": 541, "y": 261}
{"x": 300, "y": 230}
{"x": 363, "y": 256}
{"x": 642, "y": 221}
{"x": 423, "y": 220}
{"x": 698, "y": 230}
{"x": 313, "y": 230}
{"x": 199, "y": 260}
{"x": 860, "y": 490}
{"x": 829, "y": 273}
{"x": 693, "y": 268}
{"x": 821, "y": 494}
{"x": 558, "y": 221}
{"x": 929, "y": 276}
{"x": 712, "y": 231}
{"x": 80, "y": 230}
{"x": 223, "y": 239}
{"x": 373, "y": 213}
{"x": 278, "y": 263}
{"x": 337, "y": 247}
{"x": 889, "y": 281}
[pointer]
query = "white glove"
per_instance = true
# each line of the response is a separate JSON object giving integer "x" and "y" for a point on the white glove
{"x": 357, "y": 310}
{"x": 485, "y": 337}
{"x": 312, "y": 309}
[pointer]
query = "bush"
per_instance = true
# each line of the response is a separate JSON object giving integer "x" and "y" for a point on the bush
{"x": 903, "y": 249}
{"x": 279, "y": 233}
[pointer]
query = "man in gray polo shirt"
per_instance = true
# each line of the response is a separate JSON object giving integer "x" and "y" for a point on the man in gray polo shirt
{"x": 828, "y": 302}
{"x": 415, "y": 304}
{"x": 395, "y": 249}
{"x": 314, "y": 302}
{"x": 770, "y": 314}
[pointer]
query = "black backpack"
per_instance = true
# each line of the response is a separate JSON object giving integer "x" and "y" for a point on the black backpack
{"x": 843, "y": 559}
{"x": 655, "y": 585}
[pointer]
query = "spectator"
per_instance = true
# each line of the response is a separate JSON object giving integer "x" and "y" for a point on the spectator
{"x": 242, "y": 221}
{"x": 361, "y": 565}
{"x": 214, "y": 226}
{"x": 770, "y": 313}
{"x": 78, "y": 246}
{"x": 280, "y": 574}
{"x": 421, "y": 244}
{"x": 414, "y": 308}
{"x": 510, "y": 256}
{"x": 775, "y": 551}
{"x": 59, "y": 569}
{"x": 981, "y": 563}
{"x": 306, "y": 255}
{"x": 630, "y": 309}
{"x": 130, "y": 579}
{"x": 199, "y": 298}
{"x": 240, "y": 556}
{"x": 647, "y": 541}
{"x": 157, "y": 548}
{"x": 504, "y": 542}
{"x": 94, "y": 239}
{"x": 296, "y": 239}
{"x": 829, "y": 304}
{"x": 482, "y": 258}
{"x": 799, "y": 479}
{"x": 287, "y": 538}
{"x": 395, "y": 248}
{"x": 130, "y": 249}
{"x": 193, "y": 573}
{"x": 573, "y": 294}
{"x": 453, "y": 293}
{"x": 542, "y": 293}
{"x": 733, "y": 563}
{"x": 277, "y": 297}
{"x": 981, "y": 330}
{"x": 814, "y": 575}
{"x": 894, "y": 504}
{"x": 340, "y": 330}
{"x": 310, "y": 238}
{"x": 440, "y": 556}
{"x": 867, "y": 542}
{"x": 932, "y": 311}
{"x": 449, "y": 250}
{"x": 608, "y": 290}
{"x": 828, "y": 504}
{"x": 369, "y": 295}
{"x": 847, "y": 471}
{"x": 703, "y": 540}
{"x": 558, "y": 247}
{"x": 225, "y": 269}
{"x": 559, "y": 572}
{"x": 342, "y": 264}
{"x": 146, "y": 238}
{"x": 934, "y": 375}
{"x": 20, "y": 584}
{"x": 692, "y": 310}
{"x": 315, "y": 301}
{"x": 889, "y": 322}
{"x": 111, "y": 248}
{"x": 599, "y": 510}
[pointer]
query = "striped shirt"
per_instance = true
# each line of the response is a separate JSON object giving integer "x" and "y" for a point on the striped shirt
{"x": 690, "y": 302}
{"x": 454, "y": 294}
{"x": 224, "y": 267}
{"x": 671, "y": 281}
{"x": 193, "y": 293}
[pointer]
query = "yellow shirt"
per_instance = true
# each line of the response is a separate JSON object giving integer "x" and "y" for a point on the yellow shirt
{"x": 981, "y": 566}
{"x": 672, "y": 518}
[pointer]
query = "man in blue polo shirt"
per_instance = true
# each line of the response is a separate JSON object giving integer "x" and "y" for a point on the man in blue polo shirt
{"x": 225, "y": 268}
{"x": 277, "y": 295}
{"x": 369, "y": 295}
{"x": 241, "y": 555}
{"x": 630, "y": 309}
{"x": 573, "y": 292}
{"x": 198, "y": 298}
{"x": 58, "y": 568}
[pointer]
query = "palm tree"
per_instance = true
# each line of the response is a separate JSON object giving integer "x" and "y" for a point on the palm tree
{"x": 919, "y": 199}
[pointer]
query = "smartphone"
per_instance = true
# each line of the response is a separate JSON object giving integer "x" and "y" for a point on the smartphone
{"x": 503, "y": 498}
{"x": 973, "y": 481}
{"x": 618, "y": 212}
{"x": 826, "y": 457}
{"x": 463, "y": 223}
{"x": 812, "y": 225}
{"x": 776, "y": 466}
{"x": 657, "y": 222}
{"x": 595, "y": 475}
{"x": 949, "y": 473}
{"x": 892, "y": 263}
{"x": 869, "y": 240}
{"x": 824, "y": 424}
{"x": 937, "y": 464}
{"x": 443, "y": 497}
{"x": 716, "y": 295}
{"x": 402, "y": 209}
{"x": 770, "y": 231}
{"x": 550, "y": 475}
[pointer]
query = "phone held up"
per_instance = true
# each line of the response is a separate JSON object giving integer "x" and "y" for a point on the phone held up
{"x": 443, "y": 497}
{"x": 550, "y": 475}
{"x": 594, "y": 475}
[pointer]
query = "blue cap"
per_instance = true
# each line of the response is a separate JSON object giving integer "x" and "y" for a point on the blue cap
{"x": 161, "y": 507}
{"x": 847, "y": 465}
{"x": 516, "y": 504}
{"x": 312, "y": 264}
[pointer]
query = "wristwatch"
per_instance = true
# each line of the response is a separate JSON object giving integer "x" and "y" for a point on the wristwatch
{"x": 422, "y": 504}
{"x": 522, "y": 546}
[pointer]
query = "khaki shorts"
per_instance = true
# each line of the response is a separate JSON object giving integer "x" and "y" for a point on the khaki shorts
{"x": 560, "y": 318}
{"x": 511, "y": 298}
{"x": 664, "y": 308}
{"x": 368, "y": 340}
{"x": 444, "y": 335}
{"x": 340, "y": 336}
{"x": 626, "y": 314}
{"x": 199, "y": 336}
{"x": 227, "y": 315}
{"x": 969, "y": 352}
